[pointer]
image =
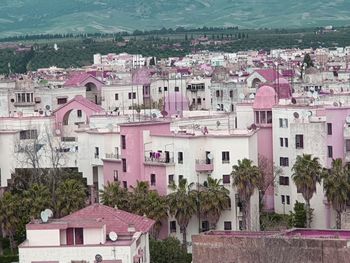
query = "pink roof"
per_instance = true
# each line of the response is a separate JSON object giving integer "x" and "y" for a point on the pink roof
{"x": 265, "y": 98}
{"x": 116, "y": 220}
{"x": 78, "y": 79}
{"x": 269, "y": 74}
{"x": 141, "y": 77}
{"x": 83, "y": 101}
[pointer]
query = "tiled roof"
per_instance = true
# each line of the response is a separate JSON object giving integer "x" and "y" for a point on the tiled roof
{"x": 116, "y": 220}
{"x": 83, "y": 101}
{"x": 78, "y": 78}
{"x": 269, "y": 74}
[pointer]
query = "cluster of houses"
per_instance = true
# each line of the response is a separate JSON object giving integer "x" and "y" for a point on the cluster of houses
{"x": 118, "y": 120}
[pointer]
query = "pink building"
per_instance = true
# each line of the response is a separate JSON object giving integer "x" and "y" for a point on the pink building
{"x": 95, "y": 231}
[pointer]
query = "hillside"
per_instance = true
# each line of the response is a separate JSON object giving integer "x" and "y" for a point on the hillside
{"x": 63, "y": 16}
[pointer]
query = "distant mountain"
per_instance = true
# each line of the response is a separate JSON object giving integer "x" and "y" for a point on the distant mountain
{"x": 63, "y": 16}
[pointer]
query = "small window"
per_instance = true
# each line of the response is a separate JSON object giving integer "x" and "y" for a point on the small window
{"x": 115, "y": 175}
{"x": 79, "y": 113}
{"x": 79, "y": 236}
{"x": 288, "y": 199}
{"x": 286, "y": 142}
{"x": 125, "y": 184}
{"x": 329, "y": 128}
{"x": 123, "y": 138}
{"x": 124, "y": 165}
{"x": 330, "y": 151}
{"x": 61, "y": 101}
{"x": 172, "y": 226}
{"x": 284, "y": 180}
{"x": 160, "y": 89}
{"x": 347, "y": 145}
{"x": 116, "y": 96}
{"x": 153, "y": 179}
{"x": 180, "y": 157}
{"x": 299, "y": 141}
{"x": 97, "y": 152}
{"x": 176, "y": 89}
{"x": 227, "y": 225}
{"x": 181, "y": 177}
{"x": 269, "y": 117}
{"x": 225, "y": 157}
{"x": 205, "y": 226}
{"x": 284, "y": 161}
{"x": 226, "y": 178}
{"x": 165, "y": 88}
{"x": 281, "y": 142}
{"x": 170, "y": 179}
{"x": 218, "y": 93}
{"x": 231, "y": 93}
{"x": 283, "y": 199}
{"x": 257, "y": 117}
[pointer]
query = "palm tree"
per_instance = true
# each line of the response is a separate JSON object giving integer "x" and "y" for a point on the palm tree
{"x": 115, "y": 196}
{"x": 157, "y": 209}
{"x": 306, "y": 174}
{"x": 214, "y": 198}
{"x": 246, "y": 177}
{"x": 10, "y": 216}
{"x": 138, "y": 198}
{"x": 71, "y": 196}
{"x": 182, "y": 204}
{"x": 337, "y": 187}
{"x": 36, "y": 199}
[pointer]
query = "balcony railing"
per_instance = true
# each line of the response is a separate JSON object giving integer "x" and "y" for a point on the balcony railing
{"x": 112, "y": 156}
{"x": 160, "y": 160}
{"x": 204, "y": 165}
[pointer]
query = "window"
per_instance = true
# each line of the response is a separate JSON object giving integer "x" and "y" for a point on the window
{"x": 347, "y": 145}
{"x": 257, "y": 117}
{"x": 180, "y": 157}
{"x": 284, "y": 180}
{"x": 269, "y": 117}
{"x": 286, "y": 142}
{"x": 329, "y": 128}
{"x": 160, "y": 89}
{"x": 283, "y": 199}
{"x": 218, "y": 93}
{"x": 227, "y": 225}
{"x": 176, "y": 89}
{"x": 262, "y": 117}
{"x": 132, "y": 95}
{"x": 181, "y": 177}
{"x": 170, "y": 179}
{"x": 226, "y": 178}
{"x": 123, "y": 138}
{"x": 165, "y": 88}
{"x": 330, "y": 151}
{"x": 79, "y": 236}
{"x": 124, "y": 165}
{"x": 288, "y": 199}
{"x": 299, "y": 141}
{"x": 97, "y": 152}
{"x": 28, "y": 134}
{"x": 24, "y": 97}
{"x": 79, "y": 113}
{"x": 153, "y": 179}
{"x": 115, "y": 175}
{"x": 281, "y": 142}
{"x": 231, "y": 93}
{"x": 205, "y": 226}
{"x": 284, "y": 161}
{"x": 116, "y": 96}
{"x": 125, "y": 184}
{"x": 172, "y": 226}
{"x": 61, "y": 100}
{"x": 283, "y": 123}
{"x": 199, "y": 101}
{"x": 225, "y": 157}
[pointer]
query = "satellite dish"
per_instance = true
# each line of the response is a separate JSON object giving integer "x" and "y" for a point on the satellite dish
{"x": 305, "y": 114}
{"x": 315, "y": 95}
{"x": 154, "y": 115}
{"x": 210, "y": 156}
{"x": 47, "y": 107}
{"x": 296, "y": 115}
{"x": 252, "y": 96}
{"x": 347, "y": 119}
{"x": 218, "y": 123}
{"x": 44, "y": 217}
{"x": 48, "y": 212}
{"x": 164, "y": 113}
{"x": 113, "y": 236}
{"x": 335, "y": 104}
{"x": 98, "y": 258}
{"x": 331, "y": 91}
{"x": 241, "y": 96}
{"x": 312, "y": 89}
{"x": 309, "y": 113}
{"x": 294, "y": 101}
{"x": 176, "y": 131}
{"x": 342, "y": 102}
{"x": 309, "y": 94}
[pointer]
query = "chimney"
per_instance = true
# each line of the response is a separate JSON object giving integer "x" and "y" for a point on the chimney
{"x": 131, "y": 228}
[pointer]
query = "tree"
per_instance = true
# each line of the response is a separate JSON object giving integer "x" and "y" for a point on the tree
{"x": 168, "y": 251}
{"x": 36, "y": 199}
{"x": 71, "y": 196}
{"x": 308, "y": 61}
{"x": 306, "y": 174}
{"x": 298, "y": 216}
{"x": 139, "y": 198}
{"x": 157, "y": 209}
{"x": 336, "y": 185}
{"x": 246, "y": 177}
{"x": 214, "y": 198}
{"x": 182, "y": 204}
{"x": 9, "y": 215}
{"x": 115, "y": 196}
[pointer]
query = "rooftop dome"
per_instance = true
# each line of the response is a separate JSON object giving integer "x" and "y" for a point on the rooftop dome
{"x": 266, "y": 98}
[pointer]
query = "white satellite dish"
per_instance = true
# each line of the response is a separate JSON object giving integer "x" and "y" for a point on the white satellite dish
{"x": 252, "y": 96}
{"x": 176, "y": 131}
{"x": 335, "y": 104}
{"x": 347, "y": 119}
{"x": 309, "y": 113}
{"x": 44, "y": 217}
{"x": 309, "y": 94}
{"x": 342, "y": 102}
{"x": 304, "y": 113}
{"x": 241, "y": 96}
{"x": 315, "y": 95}
{"x": 48, "y": 212}
{"x": 210, "y": 156}
{"x": 113, "y": 236}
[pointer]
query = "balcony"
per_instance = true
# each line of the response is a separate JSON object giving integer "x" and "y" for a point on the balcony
{"x": 204, "y": 166}
{"x": 113, "y": 156}
{"x": 159, "y": 161}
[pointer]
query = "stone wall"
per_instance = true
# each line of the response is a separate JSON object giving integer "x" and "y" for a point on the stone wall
{"x": 271, "y": 249}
